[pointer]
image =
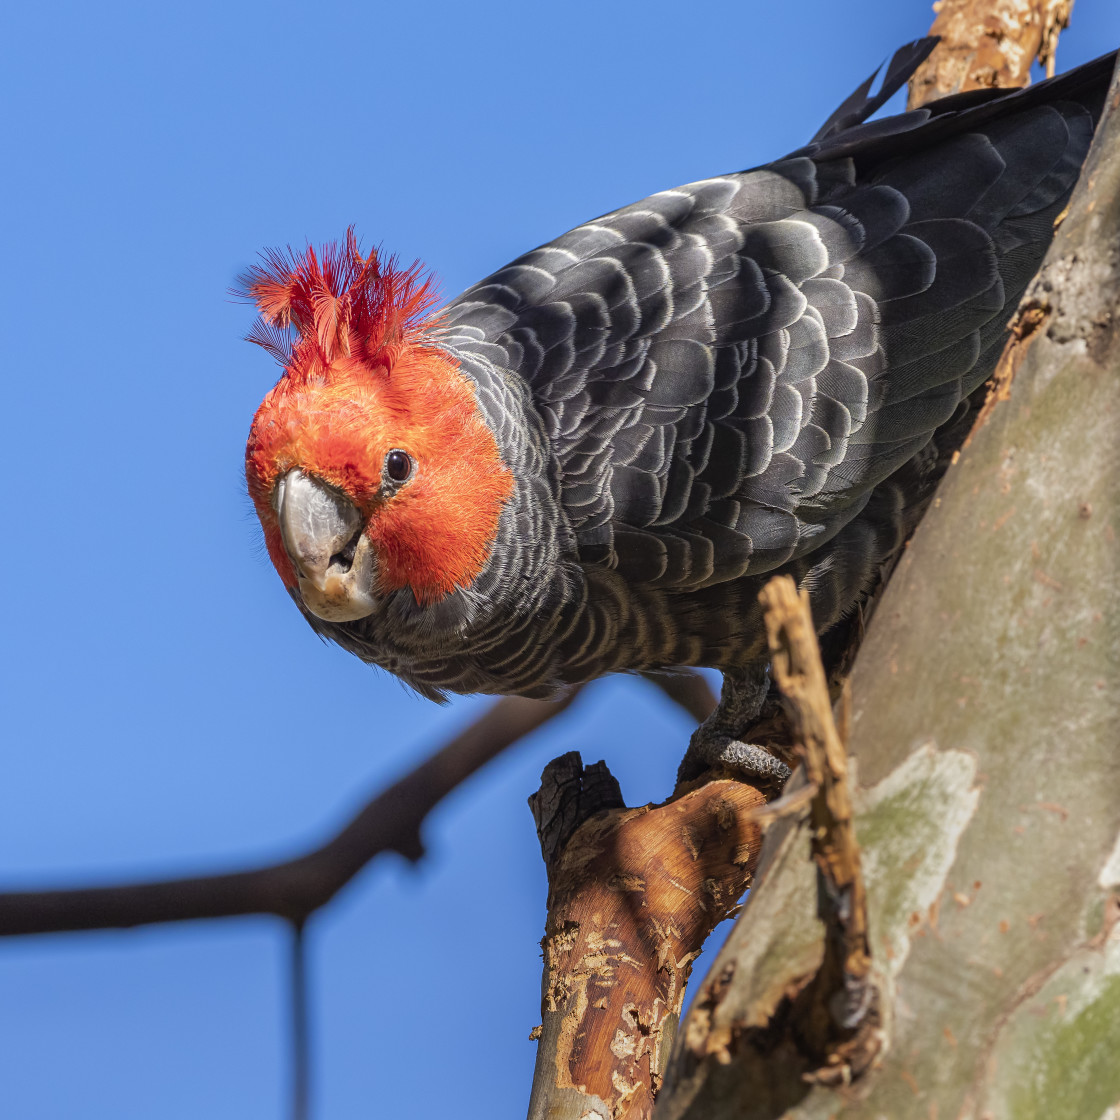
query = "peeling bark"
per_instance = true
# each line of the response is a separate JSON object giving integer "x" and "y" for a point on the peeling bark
{"x": 1024, "y": 329}
{"x": 985, "y": 725}
{"x": 988, "y": 44}
{"x": 633, "y": 894}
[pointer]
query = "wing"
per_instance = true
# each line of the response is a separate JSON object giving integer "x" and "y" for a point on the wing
{"x": 725, "y": 371}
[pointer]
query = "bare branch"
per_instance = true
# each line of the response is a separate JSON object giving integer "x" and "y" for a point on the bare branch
{"x": 300, "y": 1038}
{"x": 690, "y": 690}
{"x": 294, "y": 888}
{"x": 988, "y": 44}
{"x": 633, "y": 893}
{"x": 844, "y": 1000}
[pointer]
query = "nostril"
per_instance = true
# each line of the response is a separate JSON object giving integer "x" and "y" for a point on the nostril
{"x": 344, "y": 559}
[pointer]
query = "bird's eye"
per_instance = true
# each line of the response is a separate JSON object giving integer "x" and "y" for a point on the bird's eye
{"x": 399, "y": 465}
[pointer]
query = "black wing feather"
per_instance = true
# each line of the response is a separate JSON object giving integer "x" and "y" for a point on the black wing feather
{"x": 726, "y": 371}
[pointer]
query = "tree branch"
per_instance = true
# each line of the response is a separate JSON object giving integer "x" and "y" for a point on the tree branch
{"x": 291, "y": 889}
{"x": 988, "y": 44}
{"x": 294, "y": 888}
{"x": 839, "y": 1020}
{"x": 690, "y": 690}
{"x": 633, "y": 894}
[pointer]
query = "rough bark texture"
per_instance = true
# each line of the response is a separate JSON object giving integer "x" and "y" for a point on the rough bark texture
{"x": 986, "y": 728}
{"x": 988, "y": 44}
{"x": 633, "y": 894}
{"x": 837, "y": 1017}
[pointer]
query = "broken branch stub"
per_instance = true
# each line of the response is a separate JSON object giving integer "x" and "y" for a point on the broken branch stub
{"x": 840, "y": 1017}
{"x": 633, "y": 894}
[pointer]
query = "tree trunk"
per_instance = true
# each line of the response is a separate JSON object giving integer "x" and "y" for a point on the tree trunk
{"x": 986, "y": 729}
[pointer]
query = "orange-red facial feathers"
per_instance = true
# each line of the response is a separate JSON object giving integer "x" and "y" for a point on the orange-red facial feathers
{"x": 361, "y": 379}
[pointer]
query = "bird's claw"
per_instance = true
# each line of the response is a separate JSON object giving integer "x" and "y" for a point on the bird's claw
{"x": 754, "y": 763}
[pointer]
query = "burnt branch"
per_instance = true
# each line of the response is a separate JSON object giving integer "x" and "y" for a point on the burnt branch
{"x": 570, "y": 794}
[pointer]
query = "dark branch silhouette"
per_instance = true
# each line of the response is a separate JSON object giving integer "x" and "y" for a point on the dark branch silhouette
{"x": 294, "y": 888}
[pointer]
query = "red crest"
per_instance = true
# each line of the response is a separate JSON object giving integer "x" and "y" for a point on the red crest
{"x": 336, "y": 303}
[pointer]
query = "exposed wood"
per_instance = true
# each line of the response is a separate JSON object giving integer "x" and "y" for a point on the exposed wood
{"x": 819, "y": 1022}
{"x": 633, "y": 894}
{"x": 988, "y": 44}
{"x": 1023, "y": 331}
{"x": 838, "y": 1020}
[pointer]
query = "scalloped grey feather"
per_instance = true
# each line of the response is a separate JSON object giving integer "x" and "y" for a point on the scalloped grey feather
{"x": 756, "y": 373}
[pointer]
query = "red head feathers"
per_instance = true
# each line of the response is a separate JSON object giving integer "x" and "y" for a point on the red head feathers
{"x": 362, "y": 382}
{"x": 338, "y": 302}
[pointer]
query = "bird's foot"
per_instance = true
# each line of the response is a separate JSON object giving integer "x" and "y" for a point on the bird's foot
{"x": 720, "y": 741}
{"x": 755, "y": 763}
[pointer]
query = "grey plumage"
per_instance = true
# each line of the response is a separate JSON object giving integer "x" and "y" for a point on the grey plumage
{"x": 755, "y": 373}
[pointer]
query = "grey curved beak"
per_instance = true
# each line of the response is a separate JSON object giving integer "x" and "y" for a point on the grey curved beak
{"x": 322, "y": 532}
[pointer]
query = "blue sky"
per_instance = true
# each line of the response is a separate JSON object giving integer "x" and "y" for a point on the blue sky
{"x": 165, "y": 709}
